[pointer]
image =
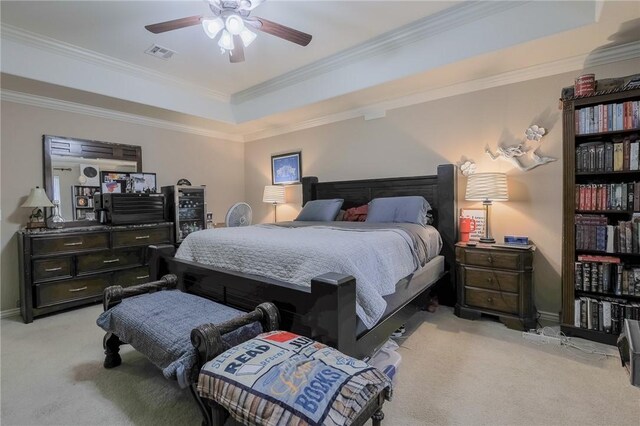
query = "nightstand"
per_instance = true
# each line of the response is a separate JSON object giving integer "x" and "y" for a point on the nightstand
{"x": 496, "y": 281}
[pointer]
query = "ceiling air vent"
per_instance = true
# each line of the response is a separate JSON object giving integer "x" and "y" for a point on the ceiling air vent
{"x": 160, "y": 52}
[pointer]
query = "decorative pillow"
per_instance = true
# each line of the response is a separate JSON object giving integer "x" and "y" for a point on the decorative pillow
{"x": 412, "y": 209}
{"x": 280, "y": 378}
{"x": 356, "y": 214}
{"x": 340, "y": 216}
{"x": 320, "y": 210}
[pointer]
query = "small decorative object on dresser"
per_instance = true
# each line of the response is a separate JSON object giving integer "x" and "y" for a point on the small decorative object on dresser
{"x": 286, "y": 169}
{"x": 496, "y": 281}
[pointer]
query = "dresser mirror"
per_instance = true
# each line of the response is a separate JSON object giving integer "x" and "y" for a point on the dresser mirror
{"x": 72, "y": 173}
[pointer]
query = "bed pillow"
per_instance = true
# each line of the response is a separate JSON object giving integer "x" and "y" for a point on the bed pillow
{"x": 356, "y": 214}
{"x": 412, "y": 209}
{"x": 320, "y": 210}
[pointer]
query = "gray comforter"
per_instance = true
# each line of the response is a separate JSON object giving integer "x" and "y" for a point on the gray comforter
{"x": 377, "y": 255}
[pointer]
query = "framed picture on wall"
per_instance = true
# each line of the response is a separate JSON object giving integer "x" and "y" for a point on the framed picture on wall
{"x": 143, "y": 182}
{"x": 286, "y": 168}
{"x": 478, "y": 223}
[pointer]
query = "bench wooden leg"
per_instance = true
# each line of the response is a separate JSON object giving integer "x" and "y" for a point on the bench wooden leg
{"x": 204, "y": 408}
{"x": 377, "y": 417}
{"x": 111, "y": 344}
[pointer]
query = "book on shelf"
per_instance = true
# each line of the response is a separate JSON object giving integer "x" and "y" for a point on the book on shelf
{"x": 594, "y": 233}
{"x": 604, "y": 314}
{"x": 610, "y": 156}
{"x": 607, "y": 117}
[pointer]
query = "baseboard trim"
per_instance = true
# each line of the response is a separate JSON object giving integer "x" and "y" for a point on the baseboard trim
{"x": 549, "y": 316}
{"x": 10, "y": 313}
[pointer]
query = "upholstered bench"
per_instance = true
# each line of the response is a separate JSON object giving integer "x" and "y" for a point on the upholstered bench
{"x": 280, "y": 378}
{"x": 175, "y": 330}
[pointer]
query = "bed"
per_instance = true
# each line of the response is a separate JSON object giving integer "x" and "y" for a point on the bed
{"x": 325, "y": 309}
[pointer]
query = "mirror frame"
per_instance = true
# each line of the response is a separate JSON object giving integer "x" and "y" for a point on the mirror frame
{"x": 83, "y": 148}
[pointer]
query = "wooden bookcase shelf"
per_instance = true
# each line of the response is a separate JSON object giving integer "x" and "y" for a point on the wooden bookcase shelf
{"x": 571, "y": 177}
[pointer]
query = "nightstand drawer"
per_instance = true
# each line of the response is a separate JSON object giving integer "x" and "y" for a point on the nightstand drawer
{"x": 493, "y": 259}
{"x": 492, "y": 279}
{"x": 65, "y": 291}
{"x": 66, "y": 244}
{"x": 142, "y": 237}
{"x": 48, "y": 269}
{"x": 109, "y": 260}
{"x": 131, "y": 277}
{"x": 493, "y": 300}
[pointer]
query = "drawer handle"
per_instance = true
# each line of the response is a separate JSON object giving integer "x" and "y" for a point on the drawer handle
{"x": 489, "y": 279}
{"x": 53, "y": 269}
{"x": 490, "y": 259}
{"x": 79, "y": 243}
{"x": 111, "y": 261}
{"x": 73, "y": 290}
{"x": 142, "y": 237}
{"x": 490, "y": 300}
{"x": 141, "y": 277}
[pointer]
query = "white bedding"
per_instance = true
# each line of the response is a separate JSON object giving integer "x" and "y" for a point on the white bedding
{"x": 377, "y": 256}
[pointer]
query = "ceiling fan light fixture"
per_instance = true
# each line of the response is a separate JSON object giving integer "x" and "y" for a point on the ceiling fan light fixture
{"x": 247, "y": 37}
{"x": 234, "y": 24}
{"x": 212, "y": 27}
{"x": 226, "y": 40}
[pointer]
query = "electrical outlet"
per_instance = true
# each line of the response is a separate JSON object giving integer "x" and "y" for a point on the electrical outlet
{"x": 541, "y": 338}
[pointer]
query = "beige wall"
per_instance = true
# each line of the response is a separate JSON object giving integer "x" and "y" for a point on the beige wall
{"x": 172, "y": 155}
{"x": 414, "y": 140}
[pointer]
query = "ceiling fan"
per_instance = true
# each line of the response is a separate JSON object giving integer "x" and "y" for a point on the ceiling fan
{"x": 232, "y": 21}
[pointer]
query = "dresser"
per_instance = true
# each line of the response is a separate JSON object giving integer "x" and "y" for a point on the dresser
{"x": 496, "y": 281}
{"x": 65, "y": 268}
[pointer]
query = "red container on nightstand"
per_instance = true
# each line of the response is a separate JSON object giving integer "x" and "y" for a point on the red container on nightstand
{"x": 467, "y": 226}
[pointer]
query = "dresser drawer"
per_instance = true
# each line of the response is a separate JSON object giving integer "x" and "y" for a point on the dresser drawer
{"x": 48, "y": 269}
{"x": 493, "y": 259}
{"x": 492, "y": 279}
{"x": 493, "y": 300}
{"x": 65, "y": 291}
{"x": 105, "y": 260}
{"x": 70, "y": 243}
{"x": 139, "y": 237}
{"x": 131, "y": 277}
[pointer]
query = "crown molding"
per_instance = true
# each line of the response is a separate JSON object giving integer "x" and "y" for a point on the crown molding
{"x": 39, "y": 41}
{"x": 389, "y": 41}
{"x": 56, "y": 104}
{"x": 601, "y": 57}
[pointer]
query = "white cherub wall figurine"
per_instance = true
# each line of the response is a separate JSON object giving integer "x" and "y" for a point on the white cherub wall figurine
{"x": 515, "y": 153}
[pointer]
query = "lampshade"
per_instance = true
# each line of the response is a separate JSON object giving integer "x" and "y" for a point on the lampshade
{"x": 37, "y": 198}
{"x": 273, "y": 194}
{"x": 487, "y": 186}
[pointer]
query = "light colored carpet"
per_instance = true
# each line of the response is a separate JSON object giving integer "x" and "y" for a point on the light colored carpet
{"x": 453, "y": 372}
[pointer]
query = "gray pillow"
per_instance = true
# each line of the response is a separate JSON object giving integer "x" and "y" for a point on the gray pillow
{"x": 413, "y": 209}
{"x": 320, "y": 210}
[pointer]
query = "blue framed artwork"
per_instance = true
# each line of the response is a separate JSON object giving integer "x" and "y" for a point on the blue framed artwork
{"x": 285, "y": 168}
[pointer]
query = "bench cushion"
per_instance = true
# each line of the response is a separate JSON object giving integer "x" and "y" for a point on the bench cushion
{"x": 281, "y": 378}
{"x": 159, "y": 326}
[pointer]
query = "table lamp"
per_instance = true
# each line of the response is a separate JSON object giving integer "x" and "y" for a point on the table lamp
{"x": 37, "y": 199}
{"x": 487, "y": 187}
{"x": 274, "y": 194}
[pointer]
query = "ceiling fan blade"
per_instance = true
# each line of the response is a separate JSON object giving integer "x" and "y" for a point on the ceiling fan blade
{"x": 237, "y": 54}
{"x": 281, "y": 31}
{"x": 173, "y": 25}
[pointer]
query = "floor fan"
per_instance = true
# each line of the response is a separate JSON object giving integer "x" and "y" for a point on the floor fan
{"x": 238, "y": 215}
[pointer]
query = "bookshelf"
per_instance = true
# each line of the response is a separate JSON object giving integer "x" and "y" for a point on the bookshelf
{"x": 82, "y": 199}
{"x": 601, "y": 183}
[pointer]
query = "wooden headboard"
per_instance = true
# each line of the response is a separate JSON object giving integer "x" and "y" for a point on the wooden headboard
{"x": 440, "y": 190}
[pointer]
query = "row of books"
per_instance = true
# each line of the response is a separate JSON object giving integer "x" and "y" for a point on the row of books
{"x": 607, "y": 275}
{"x": 608, "y": 156}
{"x": 608, "y": 196}
{"x": 594, "y": 233}
{"x": 608, "y": 117}
{"x": 606, "y": 315}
